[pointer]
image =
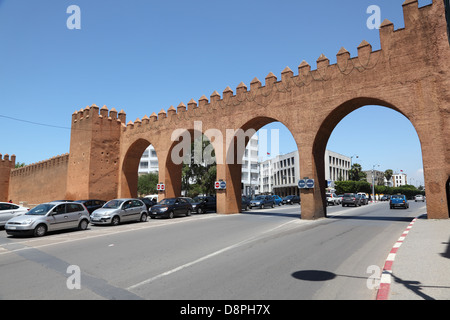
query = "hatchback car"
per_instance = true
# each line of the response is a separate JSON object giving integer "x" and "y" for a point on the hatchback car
{"x": 291, "y": 199}
{"x": 49, "y": 217}
{"x": 351, "y": 199}
{"x": 10, "y": 210}
{"x": 203, "y": 204}
{"x": 170, "y": 207}
{"x": 419, "y": 197}
{"x": 120, "y": 210}
{"x": 333, "y": 199}
{"x": 262, "y": 201}
{"x": 278, "y": 200}
{"x": 245, "y": 204}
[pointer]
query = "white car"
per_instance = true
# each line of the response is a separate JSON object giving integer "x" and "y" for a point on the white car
{"x": 419, "y": 197}
{"x": 9, "y": 211}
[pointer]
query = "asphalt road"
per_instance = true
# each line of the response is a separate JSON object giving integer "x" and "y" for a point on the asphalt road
{"x": 263, "y": 254}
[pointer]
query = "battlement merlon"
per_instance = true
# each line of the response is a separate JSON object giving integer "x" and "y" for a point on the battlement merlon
{"x": 7, "y": 161}
{"x": 94, "y": 112}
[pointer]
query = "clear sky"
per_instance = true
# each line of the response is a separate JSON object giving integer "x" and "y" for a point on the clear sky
{"x": 143, "y": 56}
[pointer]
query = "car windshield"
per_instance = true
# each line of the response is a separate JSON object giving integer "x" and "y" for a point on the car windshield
{"x": 190, "y": 200}
{"x": 396, "y": 197}
{"x": 40, "y": 210}
{"x": 259, "y": 198}
{"x": 199, "y": 199}
{"x": 288, "y": 197}
{"x": 113, "y": 204}
{"x": 167, "y": 201}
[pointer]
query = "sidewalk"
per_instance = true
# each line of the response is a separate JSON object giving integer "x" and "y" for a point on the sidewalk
{"x": 420, "y": 263}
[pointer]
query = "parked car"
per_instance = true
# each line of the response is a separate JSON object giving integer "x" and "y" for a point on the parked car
{"x": 148, "y": 202}
{"x": 120, "y": 210}
{"x": 245, "y": 203}
{"x": 385, "y": 197}
{"x": 291, "y": 199}
{"x": 9, "y": 211}
{"x": 170, "y": 207}
{"x": 333, "y": 199}
{"x": 262, "y": 201}
{"x": 47, "y": 217}
{"x": 278, "y": 200}
{"x": 351, "y": 199}
{"x": 419, "y": 197}
{"x": 398, "y": 201}
{"x": 364, "y": 199}
{"x": 203, "y": 204}
{"x": 92, "y": 205}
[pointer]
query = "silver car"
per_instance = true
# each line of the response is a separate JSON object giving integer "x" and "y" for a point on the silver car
{"x": 120, "y": 210}
{"x": 10, "y": 210}
{"x": 49, "y": 217}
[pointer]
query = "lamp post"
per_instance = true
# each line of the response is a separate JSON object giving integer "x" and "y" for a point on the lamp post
{"x": 373, "y": 181}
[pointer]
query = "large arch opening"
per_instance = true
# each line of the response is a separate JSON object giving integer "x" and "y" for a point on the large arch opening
{"x": 190, "y": 167}
{"x": 262, "y": 160}
{"x": 379, "y": 147}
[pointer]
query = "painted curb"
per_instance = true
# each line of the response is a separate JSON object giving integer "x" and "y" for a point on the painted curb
{"x": 385, "y": 281}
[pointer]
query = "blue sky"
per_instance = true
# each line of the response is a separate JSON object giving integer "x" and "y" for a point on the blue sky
{"x": 143, "y": 56}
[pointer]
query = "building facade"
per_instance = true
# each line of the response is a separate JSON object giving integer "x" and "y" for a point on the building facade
{"x": 399, "y": 179}
{"x": 280, "y": 175}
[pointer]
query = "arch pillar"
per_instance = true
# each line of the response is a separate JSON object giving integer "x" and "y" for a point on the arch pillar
{"x": 312, "y": 166}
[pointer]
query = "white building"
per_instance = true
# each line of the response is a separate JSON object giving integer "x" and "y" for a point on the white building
{"x": 250, "y": 168}
{"x": 149, "y": 161}
{"x": 337, "y": 166}
{"x": 280, "y": 175}
{"x": 399, "y": 179}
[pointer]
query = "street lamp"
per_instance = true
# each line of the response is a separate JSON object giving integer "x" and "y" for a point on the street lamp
{"x": 373, "y": 181}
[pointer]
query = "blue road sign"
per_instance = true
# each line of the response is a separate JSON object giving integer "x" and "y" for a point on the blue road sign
{"x": 223, "y": 185}
{"x": 301, "y": 183}
{"x": 310, "y": 183}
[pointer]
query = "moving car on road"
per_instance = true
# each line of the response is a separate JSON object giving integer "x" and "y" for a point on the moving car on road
{"x": 419, "y": 197}
{"x": 351, "y": 199}
{"x": 120, "y": 210}
{"x": 398, "y": 201}
{"x": 9, "y": 211}
{"x": 170, "y": 207}
{"x": 49, "y": 217}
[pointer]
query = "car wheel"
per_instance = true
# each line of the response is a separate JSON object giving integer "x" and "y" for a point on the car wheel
{"x": 170, "y": 215}
{"x": 143, "y": 217}
{"x": 273, "y": 205}
{"x": 115, "y": 220}
{"x": 200, "y": 211}
{"x": 188, "y": 213}
{"x": 247, "y": 208}
{"x": 83, "y": 225}
{"x": 40, "y": 230}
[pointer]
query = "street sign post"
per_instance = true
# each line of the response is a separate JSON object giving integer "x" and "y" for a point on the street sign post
{"x": 160, "y": 187}
{"x": 220, "y": 185}
{"x": 306, "y": 184}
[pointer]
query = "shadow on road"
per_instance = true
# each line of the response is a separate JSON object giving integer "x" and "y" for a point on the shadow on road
{"x": 374, "y": 218}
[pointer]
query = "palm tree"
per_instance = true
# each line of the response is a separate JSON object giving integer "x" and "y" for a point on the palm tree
{"x": 388, "y": 175}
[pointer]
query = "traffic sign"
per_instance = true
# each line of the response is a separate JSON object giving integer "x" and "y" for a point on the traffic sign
{"x": 310, "y": 183}
{"x": 160, "y": 187}
{"x": 220, "y": 185}
{"x": 301, "y": 183}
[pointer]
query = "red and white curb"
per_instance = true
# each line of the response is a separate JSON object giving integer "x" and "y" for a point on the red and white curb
{"x": 385, "y": 281}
